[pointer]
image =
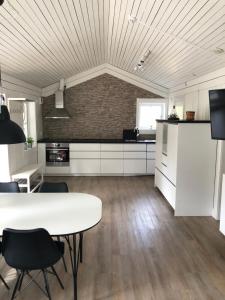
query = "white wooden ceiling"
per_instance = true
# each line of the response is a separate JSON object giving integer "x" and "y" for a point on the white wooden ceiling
{"x": 42, "y": 41}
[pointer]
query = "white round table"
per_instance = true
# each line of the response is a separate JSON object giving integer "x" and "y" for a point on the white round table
{"x": 61, "y": 214}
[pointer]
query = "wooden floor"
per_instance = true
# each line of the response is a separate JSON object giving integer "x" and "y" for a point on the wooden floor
{"x": 139, "y": 250}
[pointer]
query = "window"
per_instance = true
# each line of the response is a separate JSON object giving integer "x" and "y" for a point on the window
{"x": 148, "y": 110}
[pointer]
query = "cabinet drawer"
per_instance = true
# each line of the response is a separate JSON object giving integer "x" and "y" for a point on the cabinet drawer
{"x": 135, "y": 155}
{"x": 134, "y": 166}
{"x": 150, "y": 166}
{"x": 112, "y": 166}
{"x": 150, "y": 155}
{"x": 166, "y": 187}
{"x": 151, "y": 147}
{"x": 164, "y": 159}
{"x": 57, "y": 170}
{"x": 85, "y": 166}
{"x": 85, "y": 147}
{"x": 134, "y": 147}
{"x": 111, "y": 154}
{"x": 111, "y": 147}
{"x": 84, "y": 154}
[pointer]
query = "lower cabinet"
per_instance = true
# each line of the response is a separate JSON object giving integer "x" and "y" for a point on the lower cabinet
{"x": 151, "y": 166}
{"x": 112, "y": 166}
{"x": 166, "y": 187}
{"x": 85, "y": 166}
{"x": 134, "y": 166}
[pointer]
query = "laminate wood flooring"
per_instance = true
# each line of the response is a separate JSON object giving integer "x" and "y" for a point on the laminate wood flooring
{"x": 139, "y": 251}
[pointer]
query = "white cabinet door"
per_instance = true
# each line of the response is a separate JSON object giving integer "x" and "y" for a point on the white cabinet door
{"x": 151, "y": 148}
{"x": 85, "y": 166}
{"x": 107, "y": 154}
{"x": 84, "y": 154}
{"x": 166, "y": 187}
{"x": 111, "y": 147}
{"x": 135, "y": 155}
{"x": 172, "y": 147}
{"x": 151, "y": 166}
{"x": 84, "y": 147}
{"x": 134, "y": 147}
{"x": 158, "y": 146}
{"x": 112, "y": 166}
{"x": 41, "y": 156}
{"x": 150, "y": 155}
{"x": 134, "y": 166}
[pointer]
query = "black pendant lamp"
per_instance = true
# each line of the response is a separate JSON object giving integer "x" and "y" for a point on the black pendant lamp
{"x": 10, "y": 132}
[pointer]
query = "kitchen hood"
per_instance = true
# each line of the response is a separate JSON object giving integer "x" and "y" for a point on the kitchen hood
{"x": 59, "y": 111}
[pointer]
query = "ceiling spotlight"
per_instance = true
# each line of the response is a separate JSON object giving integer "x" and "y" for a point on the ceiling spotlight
{"x": 140, "y": 65}
{"x": 1, "y": 2}
{"x": 218, "y": 51}
{"x": 132, "y": 19}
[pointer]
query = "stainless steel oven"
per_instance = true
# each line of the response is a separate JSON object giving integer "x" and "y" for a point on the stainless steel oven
{"x": 57, "y": 154}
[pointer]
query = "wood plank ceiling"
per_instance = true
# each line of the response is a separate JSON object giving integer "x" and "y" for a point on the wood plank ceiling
{"x": 42, "y": 41}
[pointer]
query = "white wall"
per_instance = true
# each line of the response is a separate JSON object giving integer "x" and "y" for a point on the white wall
{"x": 14, "y": 156}
{"x": 193, "y": 95}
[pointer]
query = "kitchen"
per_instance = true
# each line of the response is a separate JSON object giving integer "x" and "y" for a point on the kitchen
{"x": 111, "y": 149}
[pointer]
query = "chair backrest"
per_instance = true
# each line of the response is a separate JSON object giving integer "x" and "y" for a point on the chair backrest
{"x": 9, "y": 187}
{"x": 29, "y": 249}
{"x": 53, "y": 187}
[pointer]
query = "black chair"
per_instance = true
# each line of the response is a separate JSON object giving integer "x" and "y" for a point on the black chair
{"x": 53, "y": 187}
{"x": 1, "y": 278}
{"x": 9, "y": 187}
{"x": 29, "y": 250}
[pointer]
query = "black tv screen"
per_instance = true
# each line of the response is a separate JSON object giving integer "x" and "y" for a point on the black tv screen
{"x": 217, "y": 113}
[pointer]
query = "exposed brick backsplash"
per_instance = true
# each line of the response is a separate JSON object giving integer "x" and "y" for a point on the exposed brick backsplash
{"x": 100, "y": 108}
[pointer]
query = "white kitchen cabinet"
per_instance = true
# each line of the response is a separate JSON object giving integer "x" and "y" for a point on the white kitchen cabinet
{"x": 112, "y": 166}
{"x": 85, "y": 166}
{"x": 41, "y": 155}
{"x": 112, "y": 147}
{"x": 134, "y": 166}
{"x": 113, "y": 155}
{"x": 134, "y": 147}
{"x": 151, "y": 147}
{"x": 166, "y": 187}
{"x": 185, "y": 167}
{"x": 134, "y": 155}
{"x": 151, "y": 155}
{"x": 105, "y": 158}
{"x": 85, "y": 154}
{"x": 85, "y": 147}
{"x": 151, "y": 166}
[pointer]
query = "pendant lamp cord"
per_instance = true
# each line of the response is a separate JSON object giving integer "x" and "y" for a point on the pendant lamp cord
{"x": 2, "y": 97}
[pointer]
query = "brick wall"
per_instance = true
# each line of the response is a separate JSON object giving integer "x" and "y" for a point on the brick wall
{"x": 100, "y": 108}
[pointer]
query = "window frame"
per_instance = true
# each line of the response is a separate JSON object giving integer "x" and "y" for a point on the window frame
{"x": 154, "y": 102}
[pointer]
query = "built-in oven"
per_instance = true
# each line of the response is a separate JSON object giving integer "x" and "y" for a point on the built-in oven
{"x": 57, "y": 154}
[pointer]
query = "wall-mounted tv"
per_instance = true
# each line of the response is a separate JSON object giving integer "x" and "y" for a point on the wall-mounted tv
{"x": 217, "y": 113}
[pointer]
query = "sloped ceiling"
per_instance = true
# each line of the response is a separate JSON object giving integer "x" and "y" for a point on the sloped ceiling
{"x": 42, "y": 41}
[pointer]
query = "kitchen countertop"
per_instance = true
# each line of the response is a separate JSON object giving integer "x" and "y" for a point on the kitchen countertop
{"x": 183, "y": 121}
{"x": 106, "y": 141}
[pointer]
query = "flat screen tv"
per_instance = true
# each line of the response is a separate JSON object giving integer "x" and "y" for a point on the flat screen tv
{"x": 217, "y": 113}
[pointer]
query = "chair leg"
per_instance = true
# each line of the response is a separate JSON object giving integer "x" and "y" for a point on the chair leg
{"x": 57, "y": 276}
{"x": 46, "y": 284}
{"x": 81, "y": 247}
{"x": 3, "y": 280}
{"x": 63, "y": 259}
{"x": 21, "y": 281}
{"x": 16, "y": 286}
